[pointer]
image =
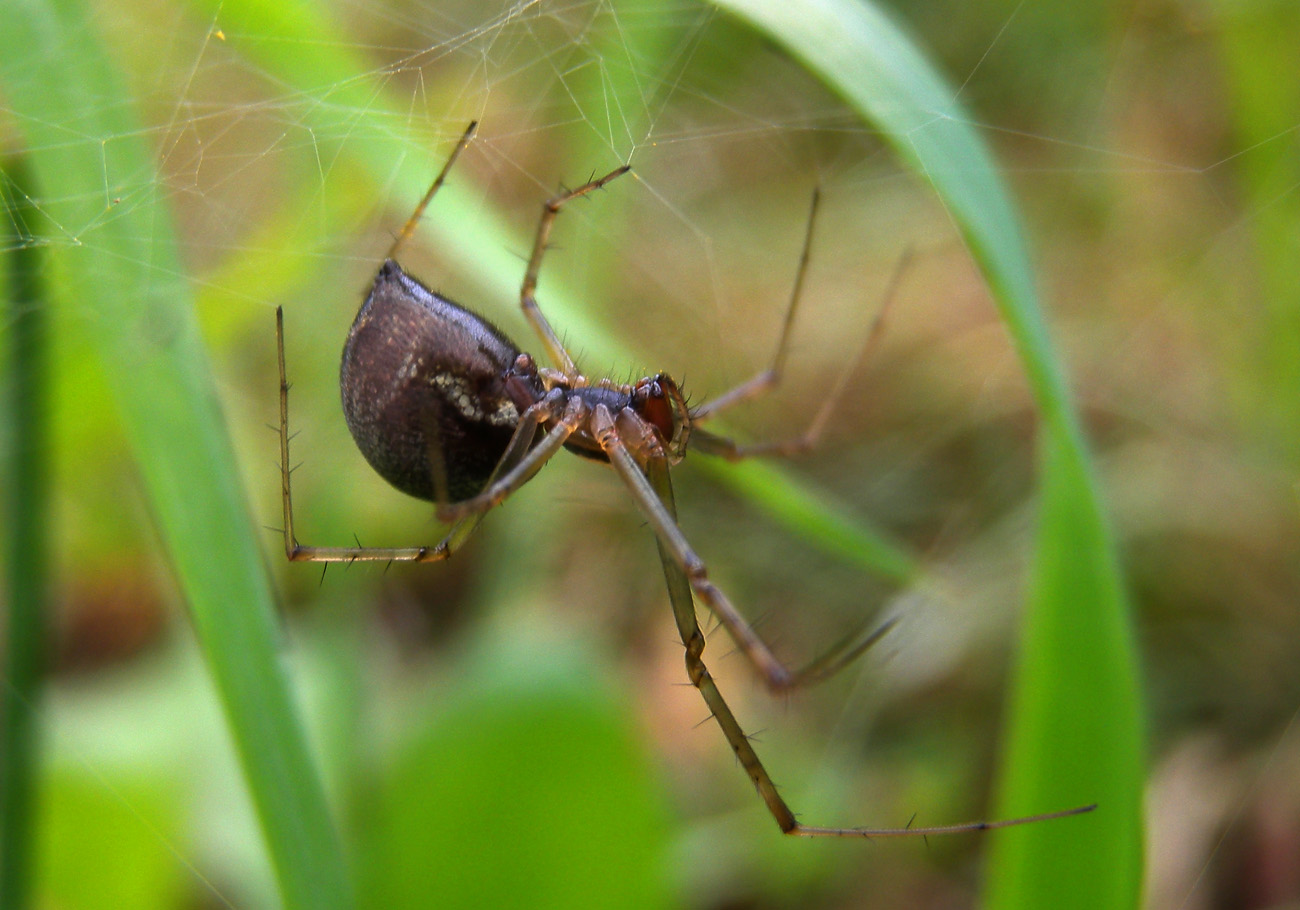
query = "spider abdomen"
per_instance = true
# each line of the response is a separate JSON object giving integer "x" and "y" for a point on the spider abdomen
{"x": 429, "y": 386}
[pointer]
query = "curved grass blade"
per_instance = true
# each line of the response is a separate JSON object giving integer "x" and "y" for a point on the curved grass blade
{"x": 112, "y": 240}
{"x": 1074, "y": 717}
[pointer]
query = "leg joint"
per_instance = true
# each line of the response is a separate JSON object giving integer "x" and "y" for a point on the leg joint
{"x": 695, "y": 668}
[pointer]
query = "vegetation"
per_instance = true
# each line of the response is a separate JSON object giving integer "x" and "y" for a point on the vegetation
{"x": 1068, "y": 449}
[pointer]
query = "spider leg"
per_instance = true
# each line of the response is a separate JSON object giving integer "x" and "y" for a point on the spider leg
{"x": 655, "y": 497}
{"x": 713, "y": 444}
{"x": 766, "y": 380}
{"x": 409, "y": 228}
{"x": 456, "y": 536}
{"x": 775, "y": 674}
{"x": 653, "y": 492}
{"x": 528, "y": 462}
{"x": 527, "y": 300}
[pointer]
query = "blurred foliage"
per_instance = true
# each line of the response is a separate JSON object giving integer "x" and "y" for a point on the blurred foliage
{"x": 1152, "y": 148}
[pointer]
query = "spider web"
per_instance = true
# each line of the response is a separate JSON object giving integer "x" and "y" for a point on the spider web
{"x": 688, "y": 264}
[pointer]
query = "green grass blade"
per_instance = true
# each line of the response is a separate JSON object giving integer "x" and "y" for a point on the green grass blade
{"x": 817, "y": 518}
{"x": 1074, "y": 723}
{"x": 26, "y": 542}
{"x": 112, "y": 240}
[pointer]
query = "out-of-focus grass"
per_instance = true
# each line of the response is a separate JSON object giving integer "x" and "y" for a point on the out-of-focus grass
{"x": 1265, "y": 108}
{"x": 111, "y": 238}
{"x": 521, "y": 782}
{"x": 27, "y": 482}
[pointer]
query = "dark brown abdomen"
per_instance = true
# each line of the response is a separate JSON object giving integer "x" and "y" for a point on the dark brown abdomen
{"x": 420, "y": 371}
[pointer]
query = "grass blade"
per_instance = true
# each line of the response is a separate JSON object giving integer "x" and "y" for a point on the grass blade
{"x": 112, "y": 240}
{"x": 1074, "y": 716}
{"x": 26, "y": 537}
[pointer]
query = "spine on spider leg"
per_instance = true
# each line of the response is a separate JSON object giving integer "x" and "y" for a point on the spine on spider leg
{"x": 286, "y": 494}
{"x": 703, "y": 680}
{"x": 679, "y": 592}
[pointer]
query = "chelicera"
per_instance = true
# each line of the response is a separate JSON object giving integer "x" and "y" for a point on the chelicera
{"x": 448, "y": 409}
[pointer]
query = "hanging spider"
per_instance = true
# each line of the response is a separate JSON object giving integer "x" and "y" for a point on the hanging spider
{"x": 446, "y": 408}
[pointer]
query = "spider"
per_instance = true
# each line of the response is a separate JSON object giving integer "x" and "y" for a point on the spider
{"x": 448, "y": 409}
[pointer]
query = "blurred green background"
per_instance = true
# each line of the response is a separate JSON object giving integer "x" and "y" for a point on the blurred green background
{"x": 513, "y": 728}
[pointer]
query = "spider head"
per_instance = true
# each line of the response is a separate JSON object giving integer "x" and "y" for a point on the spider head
{"x": 659, "y": 402}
